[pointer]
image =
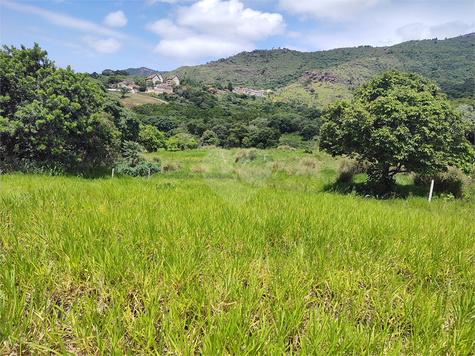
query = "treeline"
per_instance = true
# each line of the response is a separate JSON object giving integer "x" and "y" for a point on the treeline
{"x": 229, "y": 120}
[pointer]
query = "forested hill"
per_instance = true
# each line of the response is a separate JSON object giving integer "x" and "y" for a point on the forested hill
{"x": 447, "y": 62}
{"x": 142, "y": 72}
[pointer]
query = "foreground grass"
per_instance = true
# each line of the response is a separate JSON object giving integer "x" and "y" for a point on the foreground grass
{"x": 175, "y": 266}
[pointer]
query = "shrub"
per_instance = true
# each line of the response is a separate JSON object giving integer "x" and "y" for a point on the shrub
{"x": 131, "y": 151}
{"x": 209, "y": 138}
{"x": 309, "y": 162}
{"x": 181, "y": 141}
{"x": 292, "y": 140}
{"x": 285, "y": 148}
{"x": 252, "y": 153}
{"x": 198, "y": 169}
{"x": 348, "y": 168}
{"x": 454, "y": 182}
{"x": 140, "y": 169}
{"x": 170, "y": 167}
{"x": 151, "y": 138}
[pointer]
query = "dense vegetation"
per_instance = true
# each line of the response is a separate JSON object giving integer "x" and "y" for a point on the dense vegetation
{"x": 231, "y": 120}
{"x": 238, "y": 252}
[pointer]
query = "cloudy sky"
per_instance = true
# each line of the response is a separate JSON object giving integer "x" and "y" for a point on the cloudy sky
{"x": 165, "y": 34}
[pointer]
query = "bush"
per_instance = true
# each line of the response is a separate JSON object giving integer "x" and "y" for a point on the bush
{"x": 140, "y": 169}
{"x": 252, "y": 153}
{"x": 348, "y": 168}
{"x": 131, "y": 151}
{"x": 151, "y": 138}
{"x": 285, "y": 148}
{"x": 454, "y": 182}
{"x": 292, "y": 140}
{"x": 181, "y": 141}
{"x": 170, "y": 167}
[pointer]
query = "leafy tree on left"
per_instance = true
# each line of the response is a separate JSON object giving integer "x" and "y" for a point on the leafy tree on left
{"x": 50, "y": 114}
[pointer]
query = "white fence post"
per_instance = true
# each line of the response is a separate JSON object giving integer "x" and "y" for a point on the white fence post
{"x": 431, "y": 190}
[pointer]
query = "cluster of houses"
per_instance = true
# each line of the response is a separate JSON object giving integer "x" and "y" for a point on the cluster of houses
{"x": 249, "y": 92}
{"x": 158, "y": 86}
{"x": 133, "y": 88}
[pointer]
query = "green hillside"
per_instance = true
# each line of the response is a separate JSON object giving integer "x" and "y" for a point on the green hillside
{"x": 142, "y": 72}
{"x": 447, "y": 62}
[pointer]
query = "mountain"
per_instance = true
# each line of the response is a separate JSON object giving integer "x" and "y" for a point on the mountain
{"x": 337, "y": 72}
{"x": 142, "y": 72}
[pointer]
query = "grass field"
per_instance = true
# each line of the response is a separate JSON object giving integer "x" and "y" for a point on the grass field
{"x": 132, "y": 100}
{"x": 220, "y": 257}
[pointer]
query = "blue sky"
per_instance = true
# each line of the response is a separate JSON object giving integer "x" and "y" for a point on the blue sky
{"x": 165, "y": 34}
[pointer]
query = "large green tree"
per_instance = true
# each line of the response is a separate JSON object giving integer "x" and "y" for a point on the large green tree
{"x": 397, "y": 122}
{"x": 50, "y": 114}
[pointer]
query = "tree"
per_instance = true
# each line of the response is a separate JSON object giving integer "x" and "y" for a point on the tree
{"x": 309, "y": 131}
{"x": 264, "y": 138}
{"x": 49, "y": 114}
{"x": 181, "y": 141}
{"x": 397, "y": 123}
{"x": 123, "y": 91}
{"x": 209, "y": 138}
{"x": 131, "y": 151}
{"x": 151, "y": 138}
{"x": 124, "y": 119}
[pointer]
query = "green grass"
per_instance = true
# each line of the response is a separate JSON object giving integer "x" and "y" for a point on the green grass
{"x": 132, "y": 100}
{"x": 209, "y": 261}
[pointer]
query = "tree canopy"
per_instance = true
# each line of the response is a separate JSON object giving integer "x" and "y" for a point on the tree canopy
{"x": 51, "y": 114}
{"x": 397, "y": 123}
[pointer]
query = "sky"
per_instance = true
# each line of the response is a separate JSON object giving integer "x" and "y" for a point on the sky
{"x": 91, "y": 36}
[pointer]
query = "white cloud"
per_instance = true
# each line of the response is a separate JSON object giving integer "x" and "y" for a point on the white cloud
{"x": 294, "y": 34}
{"x": 230, "y": 18}
{"x": 200, "y": 46}
{"x": 451, "y": 29}
{"x": 64, "y": 20}
{"x": 151, "y": 2}
{"x": 116, "y": 19}
{"x": 419, "y": 31}
{"x": 214, "y": 28}
{"x": 110, "y": 45}
{"x": 333, "y": 9}
{"x": 166, "y": 29}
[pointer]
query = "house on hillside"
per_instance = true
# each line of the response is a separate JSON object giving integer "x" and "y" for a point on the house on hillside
{"x": 173, "y": 80}
{"x": 154, "y": 78}
{"x": 247, "y": 91}
{"x": 161, "y": 88}
{"x": 133, "y": 88}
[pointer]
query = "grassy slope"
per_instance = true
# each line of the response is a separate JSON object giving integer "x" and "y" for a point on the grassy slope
{"x": 174, "y": 265}
{"x": 132, "y": 100}
{"x": 444, "y": 61}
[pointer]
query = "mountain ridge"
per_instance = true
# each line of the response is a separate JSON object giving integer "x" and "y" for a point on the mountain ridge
{"x": 449, "y": 60}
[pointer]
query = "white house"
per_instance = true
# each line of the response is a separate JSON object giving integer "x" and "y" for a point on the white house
{"x": 173, "y": 80}
{"x": 155, "y": 78}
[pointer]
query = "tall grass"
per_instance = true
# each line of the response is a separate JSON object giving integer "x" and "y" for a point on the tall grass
{"x": 168, "y": 266}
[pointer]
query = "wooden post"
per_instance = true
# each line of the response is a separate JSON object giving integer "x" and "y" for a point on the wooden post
{"x": 431, "y": 190}
{"x": 112, "y": 172}
{"x": 148, "y": 174}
